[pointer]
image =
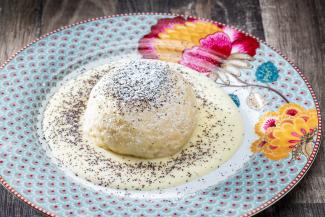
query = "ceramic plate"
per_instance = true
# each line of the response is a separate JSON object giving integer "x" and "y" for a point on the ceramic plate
{"x": 278, "y": 105}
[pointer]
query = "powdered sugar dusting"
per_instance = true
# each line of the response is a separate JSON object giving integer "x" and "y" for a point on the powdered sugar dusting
{"x": 139, "y": 84}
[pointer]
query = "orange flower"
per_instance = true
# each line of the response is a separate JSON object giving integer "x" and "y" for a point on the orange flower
{"x": 294, "y": 131}
{"x": 286, "y": 131}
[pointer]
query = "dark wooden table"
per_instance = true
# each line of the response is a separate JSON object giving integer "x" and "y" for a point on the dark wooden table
{"x": 296, "y": 27}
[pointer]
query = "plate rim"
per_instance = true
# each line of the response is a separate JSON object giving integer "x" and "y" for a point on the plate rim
{"x": 251, "y": 212}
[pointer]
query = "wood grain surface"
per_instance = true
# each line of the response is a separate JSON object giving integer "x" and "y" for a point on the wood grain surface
{"x": 296, "y": 27}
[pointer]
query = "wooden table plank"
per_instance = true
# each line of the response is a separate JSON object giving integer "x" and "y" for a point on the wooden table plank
{"x": 19, "y": 25}
{"x": 285, "y": 208}
{"x": 295, "y": 27}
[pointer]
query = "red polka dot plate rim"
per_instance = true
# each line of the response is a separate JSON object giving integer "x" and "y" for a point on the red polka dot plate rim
{"x": 263, "y": 83}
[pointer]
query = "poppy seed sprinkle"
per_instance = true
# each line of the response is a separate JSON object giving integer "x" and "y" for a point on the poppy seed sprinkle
{"x": 209, "y": 147}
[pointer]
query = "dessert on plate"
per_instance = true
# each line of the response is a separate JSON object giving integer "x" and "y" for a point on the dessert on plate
{"x": 141, "y": 124}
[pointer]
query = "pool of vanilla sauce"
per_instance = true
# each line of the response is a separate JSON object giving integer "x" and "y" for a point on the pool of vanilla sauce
{"x": 221, "y": 148}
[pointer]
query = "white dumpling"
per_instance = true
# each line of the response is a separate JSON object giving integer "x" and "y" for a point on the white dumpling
{"x": 142, "y": 109}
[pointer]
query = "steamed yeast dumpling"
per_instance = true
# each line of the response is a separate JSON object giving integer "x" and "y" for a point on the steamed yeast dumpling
{"x": 142, "y": 108}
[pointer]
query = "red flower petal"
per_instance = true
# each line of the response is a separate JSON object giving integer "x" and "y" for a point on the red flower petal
{"x": 163, "y": 24}
{"x": 241, "y": 43}
{"x": 292, "y": 112}
{"x": 146, "y": 47}
{"x": 262, "y": 143}
{"x": 272, "y": 147}
{"x": 246, "y": 45}
{"x": 218, "y": 44}
{"x": 232, "y": 33}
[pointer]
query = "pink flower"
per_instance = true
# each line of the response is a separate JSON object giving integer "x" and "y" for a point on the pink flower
{"x": 200, "y": 45}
